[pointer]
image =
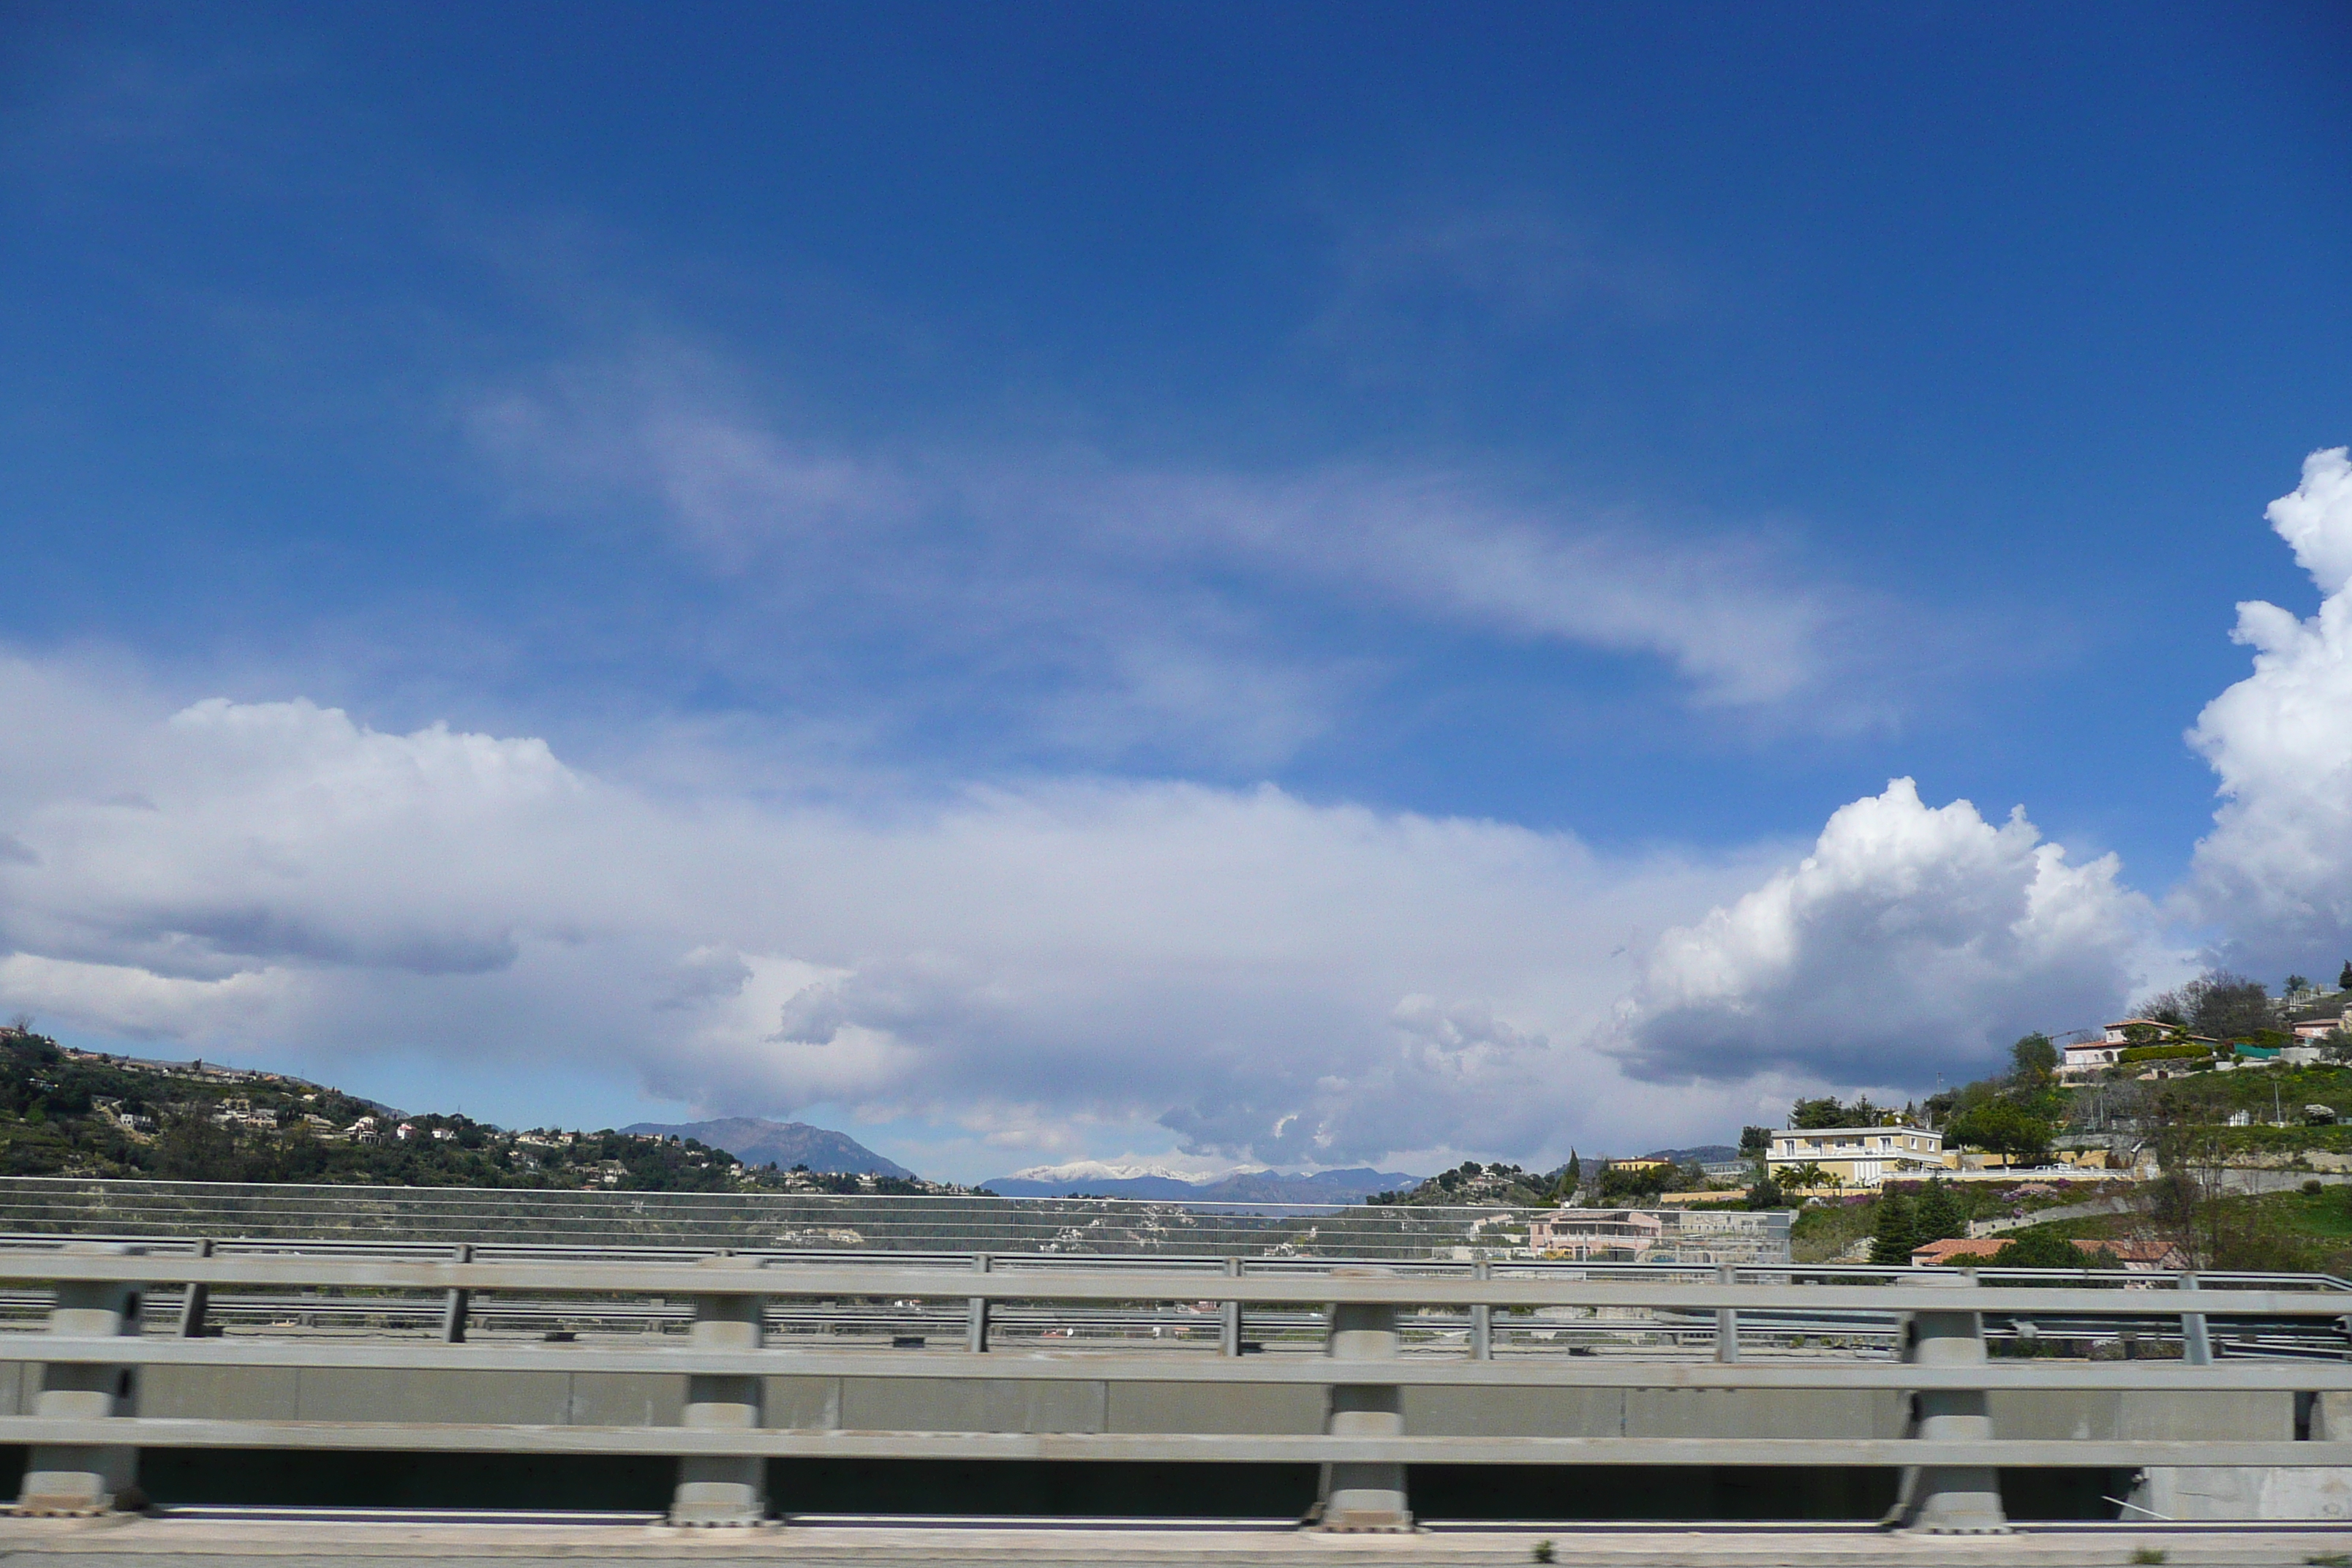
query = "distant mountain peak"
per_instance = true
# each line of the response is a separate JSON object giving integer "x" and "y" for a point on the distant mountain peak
{"x": 1250, "y": 1184}
{"x": 756, "y": 1140}
{"x": 1109, "y": 1171}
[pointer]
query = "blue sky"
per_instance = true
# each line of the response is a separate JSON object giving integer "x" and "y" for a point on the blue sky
{"x": 1474, "y": 489}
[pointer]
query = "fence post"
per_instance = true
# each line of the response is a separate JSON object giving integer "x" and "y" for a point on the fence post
{"x": 722, "y": 1488}
{"x": 1229, "y": 1316}
{"x": 195, "y": 1299}
{"x": 976, "y": 1310}
{"x": 459, "y": 1303}
{"x": 1950, "y": 1499}
{"x": 1481, "y": 1317}
{"x": 81, "y": 1479}
{"x": 2196, "y": 1343}
{"x": 1359, "y": 1496}
{"x": 1727, "y": 1319}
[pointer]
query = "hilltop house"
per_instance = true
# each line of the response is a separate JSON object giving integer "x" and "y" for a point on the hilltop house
{"x": 1586, "y": 1234}
{"x": 2312, "y": 1031}
{"x": 2088, "y": 1059}
{"x": 1857, "y": 1156}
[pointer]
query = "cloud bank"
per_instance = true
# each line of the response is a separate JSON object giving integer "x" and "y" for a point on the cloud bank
{"x": 1267, "y": 977}
{"x": 1262, "y": 978}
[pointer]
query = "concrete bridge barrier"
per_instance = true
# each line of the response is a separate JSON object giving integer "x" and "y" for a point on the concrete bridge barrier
{"x": 729, "y": 1394}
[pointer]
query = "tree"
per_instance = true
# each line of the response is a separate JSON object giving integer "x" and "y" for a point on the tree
{"x": 1896, "y": 1232}
{"x": 1754, "y": 1142}
{"x": 2038, "y": 1246}
{"x": 2218, "y": 1004}
{"x": 192, "y": 1147}
{"x": 2343, "y": 981}
{"x": 2035, "y": 1057}
{"x": 1619, "y": 1184}
{"x": 1825, "y": 1113}
{"x": 1938, "y": 1214}
{"x": 1809, "y": 1175}
{"x": 2296, "y": 985}
{"x": 1564, "y": 1184}
{"x": 2001, "y": 1127}
{"x": 1767, "y": 1195}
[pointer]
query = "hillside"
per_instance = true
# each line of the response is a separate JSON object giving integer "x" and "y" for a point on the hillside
{"x": 784, "y": 1144}
{"x": 1699, "y": 1155}
{"x": 84, "y": 1113}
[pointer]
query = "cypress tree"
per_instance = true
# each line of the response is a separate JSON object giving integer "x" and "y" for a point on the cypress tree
{"x": 1571, "y": 1176}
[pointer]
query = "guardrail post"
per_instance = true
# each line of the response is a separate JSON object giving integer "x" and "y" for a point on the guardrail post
{"x": 1481, "y": 1318}
{"x": 1727, "y": 1319}
{"x": 2196, "y": 1344}
{"x": 1359, "y": 1496}
{"x": 1950, "y": 1499}
{"x": 722, "y": 1488}
{"x": 976, "y": 1310}
{"x": 1229, "y": 1316}
{"x": 459, "y": 1304}
{"x": 195, "y": 1299}
{"x": 80, "y": 1478}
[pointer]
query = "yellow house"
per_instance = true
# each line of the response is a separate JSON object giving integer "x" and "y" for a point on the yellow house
{"x": 1858, "y": 1156}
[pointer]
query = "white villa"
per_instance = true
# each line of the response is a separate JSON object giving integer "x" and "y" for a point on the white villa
{"x": 1858, "y": 1156}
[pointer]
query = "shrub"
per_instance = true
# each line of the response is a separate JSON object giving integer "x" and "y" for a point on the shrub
{"x": 2161, "y": 1053}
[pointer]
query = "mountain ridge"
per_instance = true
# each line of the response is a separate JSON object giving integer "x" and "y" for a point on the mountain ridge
{"x": 756, "y": 1140}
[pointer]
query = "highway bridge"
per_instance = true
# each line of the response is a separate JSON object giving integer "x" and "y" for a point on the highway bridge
{"x": 2212, "y": 1396}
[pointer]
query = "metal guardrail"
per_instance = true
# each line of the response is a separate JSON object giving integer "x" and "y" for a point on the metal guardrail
{"x": 67, "y": 1207}
{"x": 85, "y": 1441}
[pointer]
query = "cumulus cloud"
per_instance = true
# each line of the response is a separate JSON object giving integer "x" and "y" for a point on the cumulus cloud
{"x": 1266, "y": 977}
{"x": 2274, "y": 877}
{"x": 1913, "y": 940}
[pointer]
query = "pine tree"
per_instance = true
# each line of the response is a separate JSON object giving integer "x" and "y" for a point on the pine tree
{"x": 2343, "y": 981}
{"x": 1938, "y": 1214}
{"x": 1895, "y": 1231}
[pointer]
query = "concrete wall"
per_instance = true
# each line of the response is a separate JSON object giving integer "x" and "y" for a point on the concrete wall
{"x": 1017, "y": 1404}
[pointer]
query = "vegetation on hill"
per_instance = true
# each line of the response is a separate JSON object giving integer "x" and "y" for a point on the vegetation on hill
{"x": 1905, "y": 1224}
{"x": 2015, "y": 1113}
{"x": 1501, "y": 1186}
{"x": 2218, "y": 1004}
{"x": 80, "y": 1113}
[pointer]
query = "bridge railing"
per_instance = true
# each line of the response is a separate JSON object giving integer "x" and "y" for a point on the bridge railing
{"x": 85, "y": 1436}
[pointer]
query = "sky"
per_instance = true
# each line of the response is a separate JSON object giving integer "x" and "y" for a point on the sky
{"x": 1198, "y": 586}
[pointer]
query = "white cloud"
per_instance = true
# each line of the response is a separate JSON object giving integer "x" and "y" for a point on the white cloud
{"x": 1104, "y": 602}
{"x": 1724, "y": 613}
{"x": 2316, "y": 518}
{"x": 1911, "y": 941}
{"x": 2274, "y": 877}
{"x": 1271, "y": 979}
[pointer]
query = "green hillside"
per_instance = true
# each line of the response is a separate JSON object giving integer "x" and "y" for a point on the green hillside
{"x": 80, "y": 1113}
